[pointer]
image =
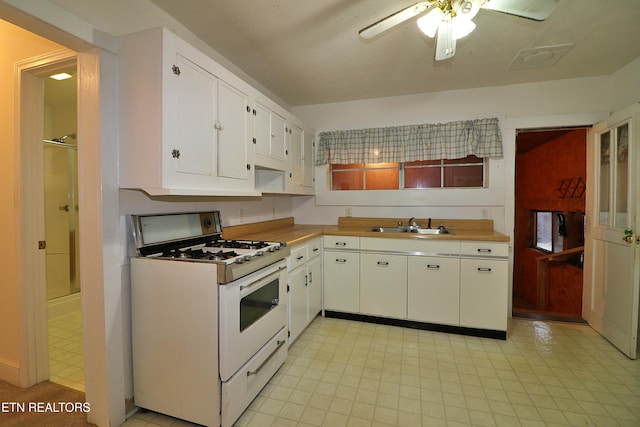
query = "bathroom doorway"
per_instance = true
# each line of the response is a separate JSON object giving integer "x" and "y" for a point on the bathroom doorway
{"x": 61, "y": 218}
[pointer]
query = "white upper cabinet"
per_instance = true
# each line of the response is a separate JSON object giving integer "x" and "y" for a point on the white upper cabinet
{"x": 186, "y": 124}
{"x": 269, "y": 138}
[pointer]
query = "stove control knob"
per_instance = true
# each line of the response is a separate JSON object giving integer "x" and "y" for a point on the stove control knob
{"x": 239, "y": 261}
{"x": 247, "y": 257}
{"x": 259, "y": 253}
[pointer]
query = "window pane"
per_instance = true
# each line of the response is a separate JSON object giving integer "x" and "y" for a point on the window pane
{"x": 605, "y": 148}
{"x": 383, "y": 179}
{"x": 544, "y": 222}
{"x": 423, "y": 163}
{"x": 422, "y": 178}
{"x": 463, "y": 176}
{"x": 348, "y": 166}
{"x": 622, "y": 176}
{"x": 347, "y": 180}
{"x": 382, "y": 165}
{"x": 468, "y": 159}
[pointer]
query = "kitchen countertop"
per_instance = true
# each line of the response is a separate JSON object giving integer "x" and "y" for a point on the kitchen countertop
{"x": 285, "y": 230}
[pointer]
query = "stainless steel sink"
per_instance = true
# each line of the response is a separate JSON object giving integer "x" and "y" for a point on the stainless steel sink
{"x": 441, "y": 230}
{"x": 411, "y": 229}
{"x": 390, "y": 229}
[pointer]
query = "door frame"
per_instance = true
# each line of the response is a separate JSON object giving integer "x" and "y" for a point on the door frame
{"x": 509, "y": 129}
{"x": 30, "y": 87}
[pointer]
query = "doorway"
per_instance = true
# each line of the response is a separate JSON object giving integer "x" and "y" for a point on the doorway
{"x": 550, "y": 189}
{"x": 61, "y": 217}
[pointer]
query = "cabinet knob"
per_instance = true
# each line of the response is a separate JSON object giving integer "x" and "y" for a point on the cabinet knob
{"x": 248, "y": 109}
{"x": 248, "y": 167}
{"x": 175, "y": 153}
{"x": 176, "y": 70}
{"x": 255, "y": 141}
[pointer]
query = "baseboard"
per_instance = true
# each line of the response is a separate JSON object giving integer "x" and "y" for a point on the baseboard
{"x": 459, "y": 330}
{"x": 10, "y": 373}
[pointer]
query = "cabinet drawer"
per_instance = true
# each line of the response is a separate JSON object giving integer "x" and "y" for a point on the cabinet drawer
{"x": 341, "y": 242}
{"x": 314, "y": 247}
{"x": 298, "y": 256}
{"x": 485, "y": 249}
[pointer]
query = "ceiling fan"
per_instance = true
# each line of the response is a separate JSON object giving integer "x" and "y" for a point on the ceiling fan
{"x": 452, "y": 19}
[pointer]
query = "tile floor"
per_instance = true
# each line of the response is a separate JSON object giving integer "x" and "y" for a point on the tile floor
{"x": 66, "y": 353}
{"x": 346, "y": 373}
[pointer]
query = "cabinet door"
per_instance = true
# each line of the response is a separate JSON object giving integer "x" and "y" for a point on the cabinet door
{"x": 193, "y": 140}
{"x": 484, "y": 294}
{"x": 307, "y": 160}
{"x": 297, "y": 301}
{"x": 278, "y": 144}
{"x": 314, "y": 287}
{"x": 383, "y": 285}
{"x": 294, "y": 147}
{"x": 434, "y": 289}
{"x": 342, "y": 281}
{"x": 262, "y": 129}
{"x": 232, "y": 132}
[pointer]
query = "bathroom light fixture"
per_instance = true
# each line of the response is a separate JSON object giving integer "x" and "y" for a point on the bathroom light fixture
{"x": 61, "y": 76}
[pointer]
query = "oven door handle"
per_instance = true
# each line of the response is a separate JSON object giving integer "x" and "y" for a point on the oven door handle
{"x": 264, "y": 280}
{"x": 280, "y": 343}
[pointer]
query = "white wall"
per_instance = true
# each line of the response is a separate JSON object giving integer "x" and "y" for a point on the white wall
{"x": 554, "y": 103}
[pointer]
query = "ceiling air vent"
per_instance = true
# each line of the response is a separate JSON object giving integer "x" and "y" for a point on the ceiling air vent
{"x": 538, "y": 57}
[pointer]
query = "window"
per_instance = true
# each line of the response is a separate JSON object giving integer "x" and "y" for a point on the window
{"x": 467, "y": 172}
{"x": 549, "y": 231}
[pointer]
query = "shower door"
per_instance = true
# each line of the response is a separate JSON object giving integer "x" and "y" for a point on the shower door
{"x": 61, "y": 219}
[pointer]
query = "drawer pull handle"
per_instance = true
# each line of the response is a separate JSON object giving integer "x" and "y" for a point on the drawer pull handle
{"x": 279, "y": 344}
{"x": 300, "y": 257}
{"x": 484, "y": 269}
{"x": 342, "y": 260}
{"x": 316, "y": 249}
{"x": 383, "y": 263}
{"x": 341, "y": 243}
{"x": 484, "y": 250}
{"x": 433, "y": 266}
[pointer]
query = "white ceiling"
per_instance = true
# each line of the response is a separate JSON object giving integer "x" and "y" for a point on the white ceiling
{"x": 309, "y": 52}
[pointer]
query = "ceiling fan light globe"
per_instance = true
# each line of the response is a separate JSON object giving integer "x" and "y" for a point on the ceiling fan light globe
{"x": 429, "y": 23}
{"x": 461, "y": 27}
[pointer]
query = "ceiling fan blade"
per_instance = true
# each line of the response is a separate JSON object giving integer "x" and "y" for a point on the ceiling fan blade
{"x": 538, "y": 10}
{"x": 394, "y": 19}
{"x": 445, "y": 43}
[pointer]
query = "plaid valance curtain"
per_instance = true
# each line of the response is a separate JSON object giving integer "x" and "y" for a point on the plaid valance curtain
{"x": 453, "y": 140}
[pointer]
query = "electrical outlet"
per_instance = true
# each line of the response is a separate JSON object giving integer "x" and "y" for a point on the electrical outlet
{"x": 347, "y": 212}
{"x": 241, "y": 215}
{"x": 273, "y": 212}
{"x": 485, "y": 213}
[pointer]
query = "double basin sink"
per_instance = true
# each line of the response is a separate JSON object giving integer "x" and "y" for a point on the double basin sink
{"x": 412, "y": 229}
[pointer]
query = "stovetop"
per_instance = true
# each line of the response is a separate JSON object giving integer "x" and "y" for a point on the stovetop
{"x": 196, "y": 237}
{"x": 222, "y": 251}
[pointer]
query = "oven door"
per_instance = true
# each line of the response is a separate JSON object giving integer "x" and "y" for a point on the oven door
{"x": 252, "y": 311}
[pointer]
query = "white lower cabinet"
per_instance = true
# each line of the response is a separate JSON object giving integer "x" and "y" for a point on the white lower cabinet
{"x": 433, "y": 289}
{"x": 342, "y": 281}
{"x": 463, "y": 284}
{"x": 484, "y": 294}
{"x": 383, "y": 285}
{"x": 305, "y": 286}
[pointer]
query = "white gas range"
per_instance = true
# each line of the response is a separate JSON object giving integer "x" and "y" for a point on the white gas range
{"x": 209, "y": 317}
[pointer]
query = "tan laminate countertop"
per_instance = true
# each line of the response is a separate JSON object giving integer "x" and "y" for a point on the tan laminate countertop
{"x": 293, "y": 234}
